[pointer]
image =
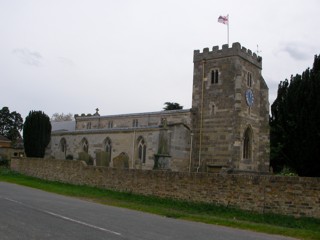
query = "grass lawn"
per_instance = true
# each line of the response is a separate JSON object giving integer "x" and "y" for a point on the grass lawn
{"x": 302, "y": 228}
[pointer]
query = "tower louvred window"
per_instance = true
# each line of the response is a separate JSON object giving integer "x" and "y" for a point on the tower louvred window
{"x": 214, "y": 76}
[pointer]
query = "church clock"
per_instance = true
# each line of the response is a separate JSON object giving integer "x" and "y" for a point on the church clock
{"x": 249, "y": 97}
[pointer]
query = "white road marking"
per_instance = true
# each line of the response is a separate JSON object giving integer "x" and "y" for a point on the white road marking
{"x": 63, "y": 217}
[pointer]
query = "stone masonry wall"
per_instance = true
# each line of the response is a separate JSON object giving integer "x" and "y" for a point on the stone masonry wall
{"x": 261, "y": 193}
{"x": 221, "y": 115}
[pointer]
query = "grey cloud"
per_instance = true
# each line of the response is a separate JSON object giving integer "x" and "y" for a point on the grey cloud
{"x": 296, "y": 50}
{"x": 28, "y": 57}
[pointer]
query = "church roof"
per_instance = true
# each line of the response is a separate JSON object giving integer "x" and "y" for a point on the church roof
{"x": 127, "y": 115}
{"x": 64, "y": 126}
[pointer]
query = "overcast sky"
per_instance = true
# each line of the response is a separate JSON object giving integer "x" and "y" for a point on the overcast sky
{"x": 129, "y": 56}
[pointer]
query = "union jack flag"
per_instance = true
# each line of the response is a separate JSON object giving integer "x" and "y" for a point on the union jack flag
{"x": 223, "y": 20}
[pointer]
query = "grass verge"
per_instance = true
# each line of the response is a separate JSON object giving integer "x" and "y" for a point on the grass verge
{"x": 302, "y": 228}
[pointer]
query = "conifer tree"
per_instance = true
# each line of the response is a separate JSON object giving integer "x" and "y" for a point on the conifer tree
{"x": 172, "y": 106}
{"x": 278, "y": 134}
{"x": 36, "y": 133}
{"x": 295, "y": 123}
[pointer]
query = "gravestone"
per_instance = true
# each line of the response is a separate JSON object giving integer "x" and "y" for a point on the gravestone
{"x": 121, "y": 161}
{"x": 102, "y": 159}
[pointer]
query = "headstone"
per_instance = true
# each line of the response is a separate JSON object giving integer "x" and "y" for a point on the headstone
{"x": 121, "y": 161}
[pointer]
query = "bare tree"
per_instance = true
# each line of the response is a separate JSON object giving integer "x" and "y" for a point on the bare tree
{"x": 60, "y": 117}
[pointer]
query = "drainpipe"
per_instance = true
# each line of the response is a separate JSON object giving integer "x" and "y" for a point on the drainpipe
{"x": 133, "y": 148}
{"x": 203, "y": 79}
{"x": 190, "y": 160}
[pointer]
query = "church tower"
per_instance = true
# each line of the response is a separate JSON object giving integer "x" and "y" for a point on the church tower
{"x": 230, "y": 110}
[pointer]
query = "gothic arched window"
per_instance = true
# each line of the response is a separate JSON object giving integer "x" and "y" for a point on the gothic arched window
{"x": 247, "y": 144}
{"x": 63, "y": 145}
{"x": 85, "y": 145}
{"x": 142, "y": 150}
{"x": 108, "y": 147}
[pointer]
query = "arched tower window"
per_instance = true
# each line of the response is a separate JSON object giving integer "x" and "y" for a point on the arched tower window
{"x": 85, "y": 145}
{"x": 249, "y": 79}
{"x": 63, "y": 145}
{"x": 214, "y": 76}
{"x": 108, "y": 147}
{"x": 247, "y": 144}
{"x": 142, "y": 150}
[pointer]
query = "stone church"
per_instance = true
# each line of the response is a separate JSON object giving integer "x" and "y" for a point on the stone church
{"x": 227, "y": 127}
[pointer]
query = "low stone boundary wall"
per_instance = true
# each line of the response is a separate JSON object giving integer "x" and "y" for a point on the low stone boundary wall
{"x": 296, "y": 196}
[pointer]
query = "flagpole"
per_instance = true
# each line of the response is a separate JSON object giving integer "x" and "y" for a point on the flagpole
{"x": 228, "y": 29}
{"x": 225, "y": 20}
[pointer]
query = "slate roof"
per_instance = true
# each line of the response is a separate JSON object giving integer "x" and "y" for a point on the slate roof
{"x": 64, "y": 126}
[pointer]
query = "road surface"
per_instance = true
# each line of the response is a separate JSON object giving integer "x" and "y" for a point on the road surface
{"x": 27, "y": 213}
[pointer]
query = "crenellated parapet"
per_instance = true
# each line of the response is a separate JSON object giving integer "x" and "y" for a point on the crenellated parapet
{"x": 235, "y": 50}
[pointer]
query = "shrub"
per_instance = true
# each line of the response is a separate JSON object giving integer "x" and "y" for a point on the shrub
{"x": 69, "y": 157}
{"x": 4, "y": 161}
{"x": 286, "y": 171}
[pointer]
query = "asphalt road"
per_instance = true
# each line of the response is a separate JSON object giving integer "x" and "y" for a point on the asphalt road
{"x": 27, "y": 213}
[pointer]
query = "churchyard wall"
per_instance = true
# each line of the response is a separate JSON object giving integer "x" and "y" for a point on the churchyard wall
{"x": 296, "y": 196}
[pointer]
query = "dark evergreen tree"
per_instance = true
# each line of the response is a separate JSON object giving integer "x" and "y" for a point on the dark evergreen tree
{"x": 295, "y": 123}
{"x": 278, "y": 134}
{"x": 36, "y": 133}
{"x": 172, "y": 106}
{"x": 10, "y": 124}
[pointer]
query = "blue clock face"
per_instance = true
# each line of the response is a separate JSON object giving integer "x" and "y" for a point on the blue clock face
{"x": 249, "y": 97}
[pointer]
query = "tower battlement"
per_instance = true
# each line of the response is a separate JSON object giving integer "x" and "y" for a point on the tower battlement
{"x": 235, "y": 50}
